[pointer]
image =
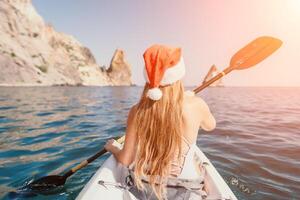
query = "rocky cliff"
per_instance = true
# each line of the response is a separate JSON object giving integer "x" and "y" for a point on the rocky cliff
{"x": 33, "y": 53}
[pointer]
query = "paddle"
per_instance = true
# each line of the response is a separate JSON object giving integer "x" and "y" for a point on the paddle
{"x": 247, "y": 57}
{"x": 53, "y": 181}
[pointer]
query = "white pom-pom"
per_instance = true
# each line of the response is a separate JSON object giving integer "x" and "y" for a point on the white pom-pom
{"x": 154, "y": 94}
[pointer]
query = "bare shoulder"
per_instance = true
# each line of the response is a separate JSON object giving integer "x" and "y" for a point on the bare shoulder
{"x": 133, "y": 110}
{"x": 131, "y": 114}
{"x": 196, "y": 102}
{"x": 130, "y": 126}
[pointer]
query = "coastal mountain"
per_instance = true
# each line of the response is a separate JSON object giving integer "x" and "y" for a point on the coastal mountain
{"x": 33, "y": 53}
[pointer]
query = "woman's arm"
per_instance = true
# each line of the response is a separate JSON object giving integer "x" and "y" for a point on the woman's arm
{"x": 208, "y": 122}
{"x": 127, "y": 154}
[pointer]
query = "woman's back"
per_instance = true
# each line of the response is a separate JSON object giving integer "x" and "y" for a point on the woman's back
{"x": 194, "y": 110}
{"x": 196, "y": 114}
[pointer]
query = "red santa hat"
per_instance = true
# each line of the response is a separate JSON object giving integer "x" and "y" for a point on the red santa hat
{"x": 163, "y": 66}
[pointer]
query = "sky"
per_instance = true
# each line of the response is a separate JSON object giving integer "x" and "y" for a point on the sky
{"x": 208, "y": 31}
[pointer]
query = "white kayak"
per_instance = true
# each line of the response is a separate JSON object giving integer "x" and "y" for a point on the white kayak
{"x": 112, "y": 174}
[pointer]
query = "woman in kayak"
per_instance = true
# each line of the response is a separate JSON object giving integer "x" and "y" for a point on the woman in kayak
{"x": 162, "y": 130}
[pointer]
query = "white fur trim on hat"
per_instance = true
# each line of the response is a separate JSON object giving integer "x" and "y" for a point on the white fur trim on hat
{"x": 172, "y": 74}
{"x": 154, "y": 94}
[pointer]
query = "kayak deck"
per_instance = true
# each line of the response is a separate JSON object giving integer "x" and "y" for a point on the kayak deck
{"x": 110, "y": 172}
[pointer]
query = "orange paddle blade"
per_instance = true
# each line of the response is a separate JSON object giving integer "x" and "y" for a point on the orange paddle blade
{"x": 254, "y": 52}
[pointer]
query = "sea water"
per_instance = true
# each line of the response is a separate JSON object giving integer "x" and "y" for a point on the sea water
{"x": 48, "y": 130}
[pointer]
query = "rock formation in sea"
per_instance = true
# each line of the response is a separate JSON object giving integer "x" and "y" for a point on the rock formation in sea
{"x": 117, "y": 71}
{"x": 33, "y": 53}
{"x": 212, "y": 72}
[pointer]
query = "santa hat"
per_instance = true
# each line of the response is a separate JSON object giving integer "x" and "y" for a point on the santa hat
{"x": 163, "y": 66}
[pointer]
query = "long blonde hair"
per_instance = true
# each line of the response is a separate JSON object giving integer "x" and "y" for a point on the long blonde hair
{"x": 159, "y": 128}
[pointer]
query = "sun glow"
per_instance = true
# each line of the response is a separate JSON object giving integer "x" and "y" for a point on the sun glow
{"x": 294, "y": 7}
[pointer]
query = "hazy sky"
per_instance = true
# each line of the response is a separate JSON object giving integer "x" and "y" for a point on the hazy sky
{"x": 209, "y": 32}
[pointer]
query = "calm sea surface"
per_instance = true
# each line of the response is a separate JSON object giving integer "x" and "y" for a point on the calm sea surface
{"x": 255, "y": 147}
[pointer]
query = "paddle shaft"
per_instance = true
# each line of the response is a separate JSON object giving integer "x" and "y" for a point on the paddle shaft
{"x": 84, "y": 163}
{"x": 212, "y": 80}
